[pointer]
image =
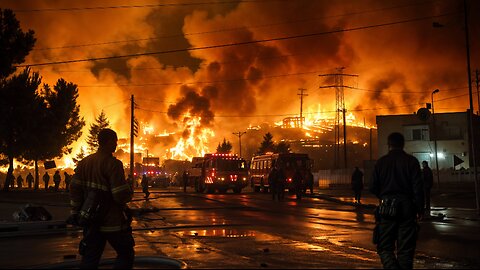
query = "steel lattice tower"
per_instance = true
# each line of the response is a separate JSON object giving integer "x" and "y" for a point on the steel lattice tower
{"x": 340, "y": 112}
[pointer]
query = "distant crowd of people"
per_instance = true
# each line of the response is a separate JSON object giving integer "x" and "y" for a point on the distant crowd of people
{"x": 29, "y": 182}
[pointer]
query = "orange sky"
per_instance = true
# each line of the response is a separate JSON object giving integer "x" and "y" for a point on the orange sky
{"x": 399, "y": 65}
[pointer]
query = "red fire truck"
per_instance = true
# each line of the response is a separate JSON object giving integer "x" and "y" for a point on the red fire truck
{"x": 220, "y": 172}
{"x": 261, "y": 166}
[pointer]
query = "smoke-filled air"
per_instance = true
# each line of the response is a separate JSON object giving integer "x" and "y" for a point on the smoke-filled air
{"x": 200, "y": 71}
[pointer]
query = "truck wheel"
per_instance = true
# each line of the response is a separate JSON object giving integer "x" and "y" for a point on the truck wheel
{"x": 237, "y": 190}
{"x": 256, "y": 189}
{"x": 222, "y": 190}
{"x": 210, "y": 190}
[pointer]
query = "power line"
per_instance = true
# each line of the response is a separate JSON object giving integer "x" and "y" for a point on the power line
{"x": 234, "y": 29}
{"x": 402, "y": 92}
{"x": 310, "y": 113}
{"x": 439, "y": 100}
{"x": 201, "y": 64}
{"x": 116, "y": 103}
{"x": 202, "y": 82}
{"x": 236, "y": 43}
{"x": 141, "y": 6}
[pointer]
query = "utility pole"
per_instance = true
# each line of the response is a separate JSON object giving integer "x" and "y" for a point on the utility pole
{"x": 434, "y": 126}
{"x": 301, "y": 104}
{"x": 339, "y": 109}
{"x": 371, "y": 152}
{"x": 240, "y": 134}
{"x": 478, "y": 94}
{"x": 472, "y": 133}
{"x": 133, "y": 134}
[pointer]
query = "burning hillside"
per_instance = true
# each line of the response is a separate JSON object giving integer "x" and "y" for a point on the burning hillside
{"x": 200, "y": 72}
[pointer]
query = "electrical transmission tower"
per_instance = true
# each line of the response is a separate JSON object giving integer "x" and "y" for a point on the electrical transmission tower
{"x": 340, "y": 112}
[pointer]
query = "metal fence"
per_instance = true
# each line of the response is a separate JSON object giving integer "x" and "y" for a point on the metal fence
{"x": 341, "y": 178}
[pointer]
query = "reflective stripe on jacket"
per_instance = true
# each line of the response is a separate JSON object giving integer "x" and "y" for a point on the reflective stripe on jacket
{"x": 102, "y": 171}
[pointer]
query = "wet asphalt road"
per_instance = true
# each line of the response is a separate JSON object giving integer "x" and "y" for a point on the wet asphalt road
{"x": 249, "y": 230}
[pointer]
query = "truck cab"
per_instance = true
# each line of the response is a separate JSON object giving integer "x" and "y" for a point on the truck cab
{"x": 221, "y": 172}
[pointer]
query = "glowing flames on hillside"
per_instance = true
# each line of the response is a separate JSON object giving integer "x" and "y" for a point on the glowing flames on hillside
{"x": 194, "y": 141}
{"x": 321, "y": 122}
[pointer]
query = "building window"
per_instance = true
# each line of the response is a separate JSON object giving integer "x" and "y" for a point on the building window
{"x": 416, "y": 133}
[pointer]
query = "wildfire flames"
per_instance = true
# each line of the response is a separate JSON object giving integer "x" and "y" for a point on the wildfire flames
{"x": 202, "y": 72}
{"x": 195, "y": 142}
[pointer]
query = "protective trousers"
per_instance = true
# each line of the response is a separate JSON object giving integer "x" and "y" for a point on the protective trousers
{"x": 93, "y": 245}
{"x": 397, "y": 238}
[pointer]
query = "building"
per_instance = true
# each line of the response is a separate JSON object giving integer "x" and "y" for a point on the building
{"x": 453, "y": 137}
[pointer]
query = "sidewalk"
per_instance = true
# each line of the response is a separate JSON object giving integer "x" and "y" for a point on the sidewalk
{"x": 454, "y": 203}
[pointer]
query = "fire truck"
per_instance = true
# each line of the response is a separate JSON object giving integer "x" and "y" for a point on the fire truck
{"x": 219, "y": 172}
{"x": 261, "y": 166}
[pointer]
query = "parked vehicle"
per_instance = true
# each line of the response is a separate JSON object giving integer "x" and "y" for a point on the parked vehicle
{"x": 219, "y": 172}
{"x": 261, "y": 166}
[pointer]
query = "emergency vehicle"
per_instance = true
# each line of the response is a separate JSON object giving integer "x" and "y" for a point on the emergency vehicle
{"x": 219, "y": 172}
{"x": 261, "y": 166}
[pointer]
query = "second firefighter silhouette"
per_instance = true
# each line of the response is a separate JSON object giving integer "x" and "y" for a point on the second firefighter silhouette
{"x": 57, "y": 179}
{"x": 427, "y": 176}
{"x": 30, "y": 180}
{"x": 298, "y": 182}
{"x": 272, "y": 182}
{"x": 46, "y": 180}
{"x": 145, "y": 186}
{"x": 185, "y": 180}
{"x": 357, "y": 184}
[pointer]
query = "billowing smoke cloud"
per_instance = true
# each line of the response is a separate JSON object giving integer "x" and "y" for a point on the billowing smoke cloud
{"x": 234, "y": 86}
{"x": 192, "y": 104}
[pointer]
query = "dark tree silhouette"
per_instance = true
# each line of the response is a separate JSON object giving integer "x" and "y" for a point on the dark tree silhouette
{"x": 80, "y": 155}
{"x": 267, "y": 145}
{"x": 19, "y": 103}
{"x": 15, "y": 44}
{"x": 100, "y": 122}
{"x": 282, "y": 148}
{"x": 225, "y": 147}
{"x": 56, "y": 126}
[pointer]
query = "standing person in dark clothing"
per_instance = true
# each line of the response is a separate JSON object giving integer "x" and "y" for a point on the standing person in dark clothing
{"x": 298, "y": 182}
{"x": 68, "y": 179}
{"x": 101, "y": 176}
{"x": 145, "y": 186}
{"x": 357, "y": 184}
{"x": 57, "y": 179}
{"x": 29, "y": 180}
{"x": 12, "y": 181}
{"x": 280, "y": 183}
{"x": 309, "y": 181}
{"x": 272, "y": 182}
{"x": 427, "y": 185}
{"x": 397, "y": 182}
{"x": 130, "y": 182}
{"x": 46, "y": 180}
{"x": 19, "y": 181}
{"x": 185, "y": 180}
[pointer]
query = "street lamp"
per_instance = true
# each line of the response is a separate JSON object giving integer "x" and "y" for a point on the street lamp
{"x": 472, "y": 133}
{"x": 435, "y": 138}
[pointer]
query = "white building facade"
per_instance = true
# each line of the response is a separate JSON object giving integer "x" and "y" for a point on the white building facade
{"x": 452, "y": 131}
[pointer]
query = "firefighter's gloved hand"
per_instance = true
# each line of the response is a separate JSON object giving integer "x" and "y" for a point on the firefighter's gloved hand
{"x": 73, "y": 219}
